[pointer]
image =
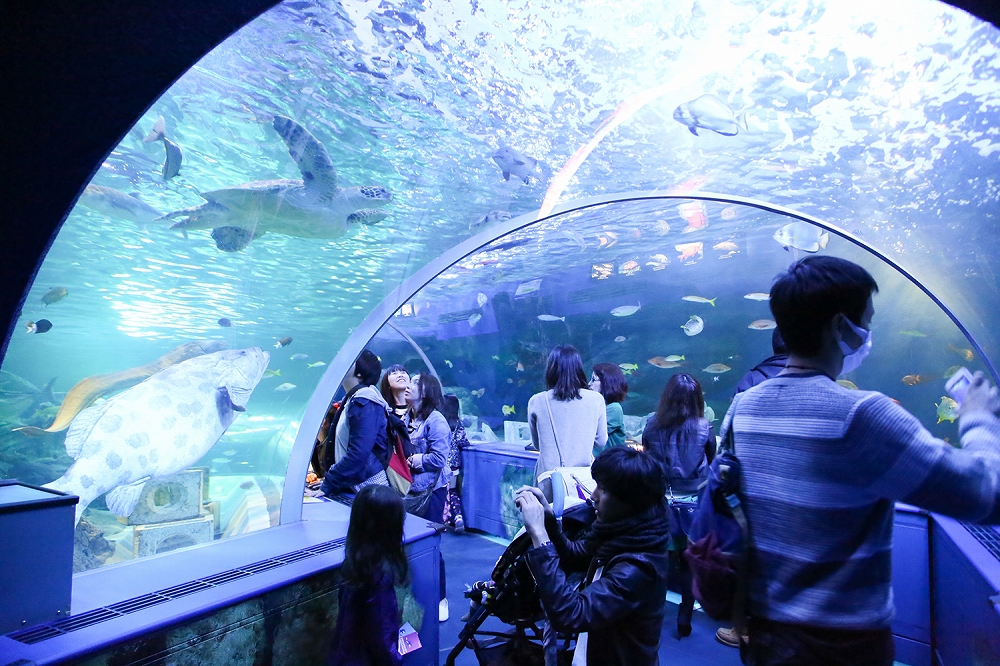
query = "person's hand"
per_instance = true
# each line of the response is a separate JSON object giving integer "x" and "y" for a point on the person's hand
{"x": 538, "y": 494}
{"x": 534, "y": 517}
{"x": 413, "y": 462}
{"x": 980, "y": 397}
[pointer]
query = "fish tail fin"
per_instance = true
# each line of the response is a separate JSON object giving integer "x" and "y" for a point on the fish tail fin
{"x": 122, "y": 500}
{"x": 712, "y": 301}
{"x": 824, "y": 239}
{"x": 683, "y": 359}
{"x": 158, "y": 132}
{"x": 741, "y": 120}
{"x": 30, "y": 431}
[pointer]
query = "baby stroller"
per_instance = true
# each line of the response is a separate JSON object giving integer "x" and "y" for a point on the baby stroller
{"x": 510, "y": 596}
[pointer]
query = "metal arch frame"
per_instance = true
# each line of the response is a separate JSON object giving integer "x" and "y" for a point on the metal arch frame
{"x": 291, "y": 502}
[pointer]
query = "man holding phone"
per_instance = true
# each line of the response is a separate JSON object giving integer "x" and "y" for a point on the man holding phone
{"x": 822, "y": 468}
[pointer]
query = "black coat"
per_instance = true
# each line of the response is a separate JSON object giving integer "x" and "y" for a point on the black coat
{"x": 623, "y": 610}
{"x": 766, "y": 369}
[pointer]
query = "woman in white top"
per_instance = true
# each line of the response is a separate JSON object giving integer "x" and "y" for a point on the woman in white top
{"x": 569, "y": 420}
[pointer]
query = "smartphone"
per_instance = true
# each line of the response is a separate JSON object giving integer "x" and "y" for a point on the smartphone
{"x": 958, "y": 384}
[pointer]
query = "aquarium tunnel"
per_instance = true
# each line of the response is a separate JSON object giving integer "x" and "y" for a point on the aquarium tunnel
{"x": 459, "y": 187}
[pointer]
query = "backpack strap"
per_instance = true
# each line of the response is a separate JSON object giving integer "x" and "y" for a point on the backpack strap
{"x": 741, "y": 597}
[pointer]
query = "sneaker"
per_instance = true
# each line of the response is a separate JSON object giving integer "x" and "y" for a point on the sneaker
{"x": 728, "y": 636}
{"x": 443, "y": 611}
{"x": 459, "y": 523}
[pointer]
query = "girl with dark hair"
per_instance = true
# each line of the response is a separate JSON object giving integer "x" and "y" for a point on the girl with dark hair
{"x": 393, "y": 388}
{"x": 453, "y": 512}
{"x": 569, "y": 421}
{"x": 609, "y": 380}
{"x": 429, "y": 436}
{"x": 681, "y": 439}
{"x": 368, "y": 619}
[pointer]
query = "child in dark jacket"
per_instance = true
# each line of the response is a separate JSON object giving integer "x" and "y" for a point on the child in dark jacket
{"x": 368, "y": 619}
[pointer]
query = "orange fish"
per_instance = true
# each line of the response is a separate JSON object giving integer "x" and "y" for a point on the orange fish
{"x": 913, "y": 380}
{"x": 690, "y": 250}
{"x": 694, "y": 214}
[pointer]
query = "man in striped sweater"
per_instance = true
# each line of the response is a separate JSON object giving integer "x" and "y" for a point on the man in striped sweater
{"x": 822, "y": 468}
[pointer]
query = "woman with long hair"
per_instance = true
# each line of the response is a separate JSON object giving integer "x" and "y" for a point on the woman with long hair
{"x": 429, "y": 436}
{"x": 609, "y": 380}
{"x": 568, "y": 421}
{"x": 681, "y": 439}
{"x": 368, "y": 619}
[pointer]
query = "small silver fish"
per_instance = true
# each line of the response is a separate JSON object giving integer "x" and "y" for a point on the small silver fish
{"x": 514, "y": 163}
{"x": 620, "y": 338}
{"x": 474, "y": 319}
{"x": 802, "y": 236}
{"x": 575, "y": 237}
{"x": 298, "y": 357}
{"x": 699, "y": 299}
{"x": 625, "y": 310}
{"x": 317, "y": 364}
{"x": 711, "y": 113}
{"x": 287, "y": 386}
{"x": 481, "y": 299}
{"x": 548, "y": 317}
{"x": 694, "y": 326}
{"x": 758, "y": 296}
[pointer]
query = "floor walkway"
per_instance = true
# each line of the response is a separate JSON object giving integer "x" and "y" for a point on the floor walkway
{"x": 470, "y": 557}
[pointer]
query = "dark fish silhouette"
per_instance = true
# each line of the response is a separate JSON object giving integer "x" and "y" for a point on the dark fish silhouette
{"x": 40, "y": 326}
{"x": 283, "y": 342}
{"x": 54, "y": 295}
{"x": 225, "y": 323}
{"x": 174, "y": 157}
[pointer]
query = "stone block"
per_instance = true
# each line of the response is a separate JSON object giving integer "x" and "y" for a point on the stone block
{"x": 173, "y": 498}
{"x": 163, "y": 537}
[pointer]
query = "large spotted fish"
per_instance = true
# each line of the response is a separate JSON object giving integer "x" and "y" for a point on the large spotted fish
{"x": 157, "y": 428}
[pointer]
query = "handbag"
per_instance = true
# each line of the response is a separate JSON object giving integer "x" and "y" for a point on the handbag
{"x": 398, "y": 472}
{"x": 681, "y": 515}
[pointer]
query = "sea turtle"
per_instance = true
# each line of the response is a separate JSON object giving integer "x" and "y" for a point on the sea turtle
{"x": 313, "y": 207}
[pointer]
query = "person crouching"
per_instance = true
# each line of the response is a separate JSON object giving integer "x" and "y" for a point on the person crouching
{"x": 619, "y": 611}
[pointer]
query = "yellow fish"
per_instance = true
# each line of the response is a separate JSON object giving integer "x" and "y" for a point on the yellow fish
{"x": 848, "y": 384}
{"x": 674, "y": 358}
{"x": 699, "y": 299}
{"x": 508, "y": 410}
{"x": 947, "y": 410}
{"x": 631, "y": 367}
{"x": 964, "y": 353}
{"x": 496, "y": 357}
{"x": 449, "y": 363}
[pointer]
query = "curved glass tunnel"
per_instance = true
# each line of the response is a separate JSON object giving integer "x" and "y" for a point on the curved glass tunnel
{"x": 880, "y": 120}
{"x": 657, "y": 287}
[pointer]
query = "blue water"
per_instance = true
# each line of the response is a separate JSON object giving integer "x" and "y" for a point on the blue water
{"x": 880, "y": 119}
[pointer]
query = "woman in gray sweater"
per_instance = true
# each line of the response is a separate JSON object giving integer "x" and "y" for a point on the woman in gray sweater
{"x": 568, "y": 421}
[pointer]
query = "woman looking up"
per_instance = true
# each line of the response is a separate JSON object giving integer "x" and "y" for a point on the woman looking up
{"x": 609, "y": 380}
{"x": 367, "y": 631}
{"x": 681, "y": 439}
{"x": 429, "y": 438}
{"x": 393, "y": 387}
{"x": 568, "y": 421}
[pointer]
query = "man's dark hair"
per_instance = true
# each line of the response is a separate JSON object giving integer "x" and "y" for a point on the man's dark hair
{"x": 681, "y": 399}
{"x": 778, "y": 343}
{"x": 632, "y": 476}
{"x": 430, "y": 395}
{"x": 450, "y": 407}
{"x": 614, "y": 386}
{"x": 564, "y": 373}
{"x": 806, "y": 298}
{"x": 367, "y": 368}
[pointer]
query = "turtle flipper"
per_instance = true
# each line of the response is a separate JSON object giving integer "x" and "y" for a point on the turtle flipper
{"x": 234, "y": 239}
{"x": 367, "y": 216}
{"x": 311, "y": 157}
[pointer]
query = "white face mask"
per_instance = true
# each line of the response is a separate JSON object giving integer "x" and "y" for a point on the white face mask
{"x": 854, "y": 357}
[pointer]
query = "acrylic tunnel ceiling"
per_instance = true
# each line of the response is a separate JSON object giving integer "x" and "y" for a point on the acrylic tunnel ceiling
{"x": 226, "y": 222}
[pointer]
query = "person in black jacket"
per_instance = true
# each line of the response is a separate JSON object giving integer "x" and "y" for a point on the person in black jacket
{"x": 360, "y": 446}
{"x": 769, "y": 367}
{"x": 619, "y": 612}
